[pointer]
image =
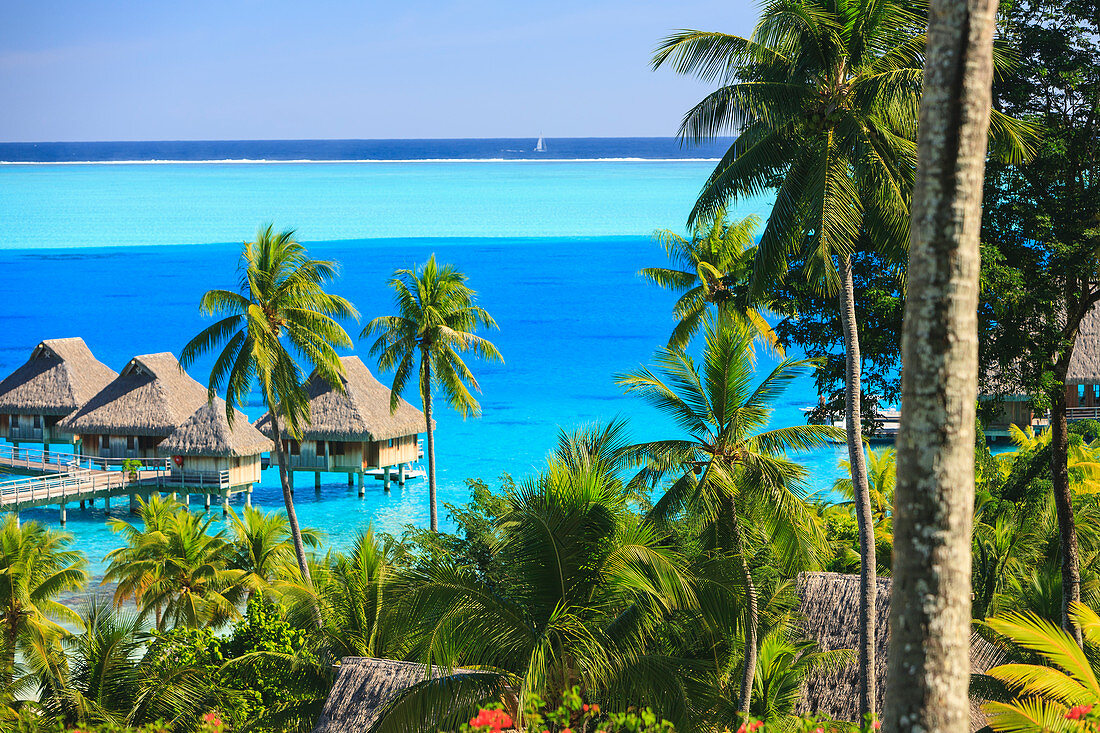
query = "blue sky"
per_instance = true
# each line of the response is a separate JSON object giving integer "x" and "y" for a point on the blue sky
{"x": 252, "y": 69}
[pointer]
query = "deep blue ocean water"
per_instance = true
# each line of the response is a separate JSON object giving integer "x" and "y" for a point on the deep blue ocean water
{"x": 552, "y": 248}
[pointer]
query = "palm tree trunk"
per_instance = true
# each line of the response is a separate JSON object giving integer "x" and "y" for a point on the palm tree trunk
{"x": 868, "y": 565}
{"x": 929, "y": 659}
{"x": 426, "y": 398}
{"x": 1059, "y": 469}
{"x": 288, "y": 498}
{"x": 752, "y": 614}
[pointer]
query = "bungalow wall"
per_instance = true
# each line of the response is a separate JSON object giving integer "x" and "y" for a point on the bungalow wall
{"x": 394, "y": 451}
{"x": 341, "y": 456}
{"x": 242, "y": 470}
{"x": 1083, "y": 395}
{"x": 120, "y": 446}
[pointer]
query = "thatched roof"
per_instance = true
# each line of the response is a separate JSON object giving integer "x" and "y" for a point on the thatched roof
{"x": 152, "y": 396}
{"x": 360, "y": 413}
{"x": 1084, "y": 363}
{"x": 830, "y": 608}
{"x": 60, "y": 376}
{"x": 207, "y": 433}
{"x": 367, "y": 689}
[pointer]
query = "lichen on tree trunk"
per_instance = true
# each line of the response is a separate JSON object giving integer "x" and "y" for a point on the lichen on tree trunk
{"x": 929, "y": 657}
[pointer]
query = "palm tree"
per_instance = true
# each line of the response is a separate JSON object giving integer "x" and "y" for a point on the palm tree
{"x": 263, "y": 546}
{"x": 727, "y": 469}
{"x": 1067, "y": 675}
{"x": 882, "y": 476}
{"x": 586, "y": 585}
{"x": 710, "y": 268}
{"x": 181, "y": 568}
{"x": 824, "y": 96}
{"x": 36, "y": 565}
{"x": 110, "y": 677}
{"x": 784, "y": 664}
{"x": 436, "y": 319}
{"x": 280, "y": 304}
{"x": 356, "y": 595}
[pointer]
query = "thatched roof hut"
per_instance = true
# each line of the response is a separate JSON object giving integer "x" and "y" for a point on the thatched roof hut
{"x": 1084, "y": 363}
{"x": 152, "y": 396}
{"x": 207, "y": 433}
{"x": 830, "y": 609}
{"x": 368, "y": 690}
{"x": 60, "y": 376}
{"x": 359, "y": 414}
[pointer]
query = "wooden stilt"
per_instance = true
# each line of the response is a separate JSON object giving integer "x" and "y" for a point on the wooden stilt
{"x": 361, "y": 492}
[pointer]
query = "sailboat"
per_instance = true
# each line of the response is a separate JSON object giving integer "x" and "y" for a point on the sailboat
{"x": 540, "y": 146}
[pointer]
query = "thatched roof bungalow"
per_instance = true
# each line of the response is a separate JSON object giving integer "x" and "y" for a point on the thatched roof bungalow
{"x": 206, "y": 451}
{"x": 141, "y": 407}
{"x": 60, "y": 376}
{"x": 829, "y": 604}
{"x": 1083, "y": 375}
{"x": 372, "y": 695}
{"x": 353, "y": 430}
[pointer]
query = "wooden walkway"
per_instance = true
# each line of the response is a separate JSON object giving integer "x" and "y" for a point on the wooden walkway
{"x": 62, "y": 478}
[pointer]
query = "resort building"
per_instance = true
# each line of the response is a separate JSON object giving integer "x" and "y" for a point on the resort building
{"x": 210, "y": 456}
{"x": 1083, "y": 376}
{"x": 352, "y": 431}
{"x": 129, "y": 417}
{"x": 59, "y": 377}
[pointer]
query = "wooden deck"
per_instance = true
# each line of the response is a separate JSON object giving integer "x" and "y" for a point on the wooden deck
{"x": 62, "y": 478}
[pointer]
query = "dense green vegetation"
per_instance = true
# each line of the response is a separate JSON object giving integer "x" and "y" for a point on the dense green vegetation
{"x": 628, "y": 575}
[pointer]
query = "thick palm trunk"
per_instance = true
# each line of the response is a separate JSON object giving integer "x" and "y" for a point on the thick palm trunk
{"x": 288, "y": 501}
{"x": 868, "y": 565}
{"x": 929, "y": 660}
{"x": 752, "y": 614}
{"x": 1067, "y": 530}
{"x": 426, "y": 397}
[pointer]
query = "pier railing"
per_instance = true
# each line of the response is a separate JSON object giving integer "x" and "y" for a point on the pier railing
{"x": 202, "y": 481}
{"x": 39, "y": 459}
{"x": 60, "y": 486}
{"x": 34, "y": 459}
{"x": 1083, "y": 413}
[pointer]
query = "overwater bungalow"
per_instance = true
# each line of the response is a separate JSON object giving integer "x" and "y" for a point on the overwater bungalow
{"x": 59, "y": 377}
{"x": 353, "y": 431}
{"x": 209, "y": 456}
{"x": 141, "y": 407}
{"x": 1083, "y": 376}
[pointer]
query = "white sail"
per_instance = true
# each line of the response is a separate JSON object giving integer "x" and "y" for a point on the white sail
{"x": 540, "y": 146}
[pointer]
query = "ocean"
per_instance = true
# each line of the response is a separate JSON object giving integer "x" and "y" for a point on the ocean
{"x": 119, "y": 253}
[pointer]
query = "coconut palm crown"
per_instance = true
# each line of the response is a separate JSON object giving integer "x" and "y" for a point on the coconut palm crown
{"x": 436, "y": 320}
{"x": 712, "y": 268}
{"x": 280, "y": 307}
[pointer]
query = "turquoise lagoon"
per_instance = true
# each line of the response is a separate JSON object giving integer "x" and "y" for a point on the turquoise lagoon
{"x": 120, "y": 253}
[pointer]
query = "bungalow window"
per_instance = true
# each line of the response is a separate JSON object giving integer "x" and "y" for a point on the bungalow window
{"x": 14, "y": 422}
{"x": 105, "y": 442}
{"x": 1096, "y": 394}
{"x": 391, "y": 443}
{"x": 336, "y": 447}
{"x": 295, "y": 448}
{"x": 1080, "y": 394}
{"x": 131, "y": 442}
{"x": 37, "y": 422}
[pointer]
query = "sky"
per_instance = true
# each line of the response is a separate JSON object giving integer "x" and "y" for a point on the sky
{"x": 271, "y": 69}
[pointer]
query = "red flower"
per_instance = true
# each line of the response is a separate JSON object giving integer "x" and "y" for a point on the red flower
{"x": 741, "y": 729}
{"x": 876, "y": 725}
{"x": 1078, "y": 711}
{"x": 819, "y": 729}
{"x": 757, "y": 725}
